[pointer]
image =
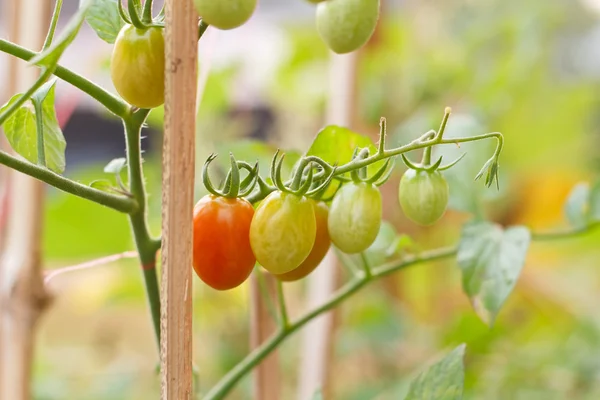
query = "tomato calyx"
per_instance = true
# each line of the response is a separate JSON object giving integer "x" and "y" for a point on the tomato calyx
{"x": 138, "y": 18}
{"x": 305, "y": 181}
{"x": 233, "y": 187}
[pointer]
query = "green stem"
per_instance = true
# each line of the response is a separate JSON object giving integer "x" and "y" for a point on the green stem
{"x": 147, "y": 12}
{"x": 39, "y": 120}
{"x": 113, "y": 103}
{"x": 366, "y": 266}
{"x": 146, "y": 245}
{"x": 255, "y": 357}
{"x": 283, "y": 321}
{"x": 117, "y": 202}
{"x": 566, "y": 233}
{"x": 25, "y": 96}
{"x": 53, "y": 22}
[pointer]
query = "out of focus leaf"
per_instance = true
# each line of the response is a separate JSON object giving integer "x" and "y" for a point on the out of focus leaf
{"x": 104, "y": 19}
{"x": 577, "y": 206}
{"x": 443, "y": 380}
{"x": 49, "y": 57}
{"x": 21, "y": 130}
{"x": 491, "y": 260}
{"x": 115, "y": 166}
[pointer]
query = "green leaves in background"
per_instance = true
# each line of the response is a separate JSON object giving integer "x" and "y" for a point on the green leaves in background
{"x": 491, "y": 259}
{"x": 583, "y": 205}
{"x": 444, "y": 380}
{"x": 104, "y": 19}
{"x": 21, "y": 132}
{"x": 49, "y": 57}
{"x": 387, "y": 245}
{"x": 336, "y": 144}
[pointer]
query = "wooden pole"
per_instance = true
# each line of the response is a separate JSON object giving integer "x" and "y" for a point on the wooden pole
{"x": 22, "y": 294}
{"x": 181, "y": 52}
{"x": 317, "y": 339}
{"x": 266, "y": 378}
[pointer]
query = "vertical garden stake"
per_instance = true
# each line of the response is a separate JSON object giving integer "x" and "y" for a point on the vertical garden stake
{"x": 181, "y": 35}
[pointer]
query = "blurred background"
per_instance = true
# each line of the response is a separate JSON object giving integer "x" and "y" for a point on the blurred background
{"x": 530, "y": 70}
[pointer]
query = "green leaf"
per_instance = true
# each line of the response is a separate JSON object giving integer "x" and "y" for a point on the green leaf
{"x": 115, "y": 166}
{"x": 443, "y": 380}
{"x": 491, "y": 260}
{"x": 336, "y": 144}
{"x": 103, "y": 16}
{"x": 577, "y": 207}
{"x": 49, "y": 57}
{"x": 595, "y": 202}
{"x": 21, "y": 132}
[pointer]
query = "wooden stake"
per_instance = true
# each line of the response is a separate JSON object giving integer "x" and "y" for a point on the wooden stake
{"x": 22, "y": 294}
{"x": 181, "y": 48}
{"x": 266, "y": 378}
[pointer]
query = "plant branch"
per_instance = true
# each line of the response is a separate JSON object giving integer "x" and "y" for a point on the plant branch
{"x": 145, "y": 244}
{"x": 25, "y": 96}
{"x": 360, "y": 280}
{"x": 113, "y": 103}
{"x": 283, "y": 314}
{"x": 53, "y": 22}
{"x": 117, "y": 202}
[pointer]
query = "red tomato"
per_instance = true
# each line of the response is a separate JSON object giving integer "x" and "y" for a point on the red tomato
{"x": 319, "y": 249}
{"x": 223, "y": 258}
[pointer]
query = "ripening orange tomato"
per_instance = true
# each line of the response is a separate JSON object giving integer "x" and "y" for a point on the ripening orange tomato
{"x": 223, "y": 258}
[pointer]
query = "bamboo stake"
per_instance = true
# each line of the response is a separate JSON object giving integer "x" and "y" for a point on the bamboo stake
{"x": 22, "y": 294}
{"x": 317, "y": 339}
{"x": 266, "y": 378}
{"x": 181, "y": 52}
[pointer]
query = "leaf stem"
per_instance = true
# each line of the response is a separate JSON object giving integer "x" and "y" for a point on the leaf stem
{"x": 283, "y": 314}
{"x": 53, "y": 22}
{"x": 117, "y": 202}
{"x": 25, "y": 96}
{"x": 39, "y": 121}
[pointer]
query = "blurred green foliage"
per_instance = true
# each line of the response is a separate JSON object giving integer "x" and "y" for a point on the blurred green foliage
{"x": 503, "y": 65}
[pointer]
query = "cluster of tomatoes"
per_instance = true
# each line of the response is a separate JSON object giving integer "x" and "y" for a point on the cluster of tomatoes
{"x": 289, "y": 234}
{"x": 137, "y": 63}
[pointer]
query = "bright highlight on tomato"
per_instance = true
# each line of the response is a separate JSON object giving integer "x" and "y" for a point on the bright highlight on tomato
{"x": 355, "y": 217}
{"x": 346, "y": 25}
{"x": 223, "y": 258}
{"x": 423, "y": 196}
{"x": 319, "y": 249}
{"x": 283, "y": 231}
{"x": 137, "y": 66}
{"x": 225, "y": 14}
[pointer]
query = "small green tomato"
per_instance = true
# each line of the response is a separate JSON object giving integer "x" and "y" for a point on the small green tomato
{"x": 423, "y": 196}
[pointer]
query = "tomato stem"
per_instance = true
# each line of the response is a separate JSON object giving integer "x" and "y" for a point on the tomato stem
{"x": 283, "y": 314}
{"x": 147, "y": 12}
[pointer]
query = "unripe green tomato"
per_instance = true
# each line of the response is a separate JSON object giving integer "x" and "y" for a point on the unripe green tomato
{"x": 137, "y": 66}
{"x": 355, "y": 217}
{"x": 225, "y": 14}
{"x": 346, "y": 25}
{"x": 283, "y": 231}
{"x": 319, "y": 249}
{"x": 423, "y": 196}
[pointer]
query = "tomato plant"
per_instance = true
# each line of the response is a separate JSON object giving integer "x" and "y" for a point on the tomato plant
{"x": 225, "y": 14}
{"x": 283, "y": 231}
{"x": 291, "y": 229}
{"x": 223, "y": 258}
{"x": 137, "y": 66}
{"x": 346, "y": 25}
{"x": 319, "y": 249}
{"x": 355, "y": 217}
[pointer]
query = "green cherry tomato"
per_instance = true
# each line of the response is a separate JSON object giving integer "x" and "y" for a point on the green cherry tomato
{"x": 346, "y": 25}
{"x": 137, "y": 66}
{"x": 423, "y": 196}
{"x": 225, "y": 14}
{"x": 355, "y": 217}
{"x": 283, "y": 231}
{"x": 223, "y": 258}
{"x": 319, "y": 249}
